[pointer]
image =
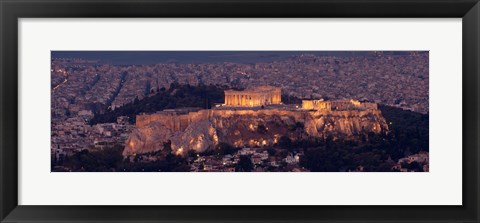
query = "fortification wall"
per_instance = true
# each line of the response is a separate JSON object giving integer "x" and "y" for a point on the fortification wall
{"x": 179, "y": 122}
{"x": 172, "y": 120}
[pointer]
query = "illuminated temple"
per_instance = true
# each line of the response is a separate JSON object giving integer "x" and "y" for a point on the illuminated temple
{"x": 258, "y": 96}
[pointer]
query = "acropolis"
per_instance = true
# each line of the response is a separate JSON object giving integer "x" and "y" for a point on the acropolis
{"x": 200, "y": 129}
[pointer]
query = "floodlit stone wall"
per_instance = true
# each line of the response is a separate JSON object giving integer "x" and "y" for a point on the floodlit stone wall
{"x": 201, "y": 130}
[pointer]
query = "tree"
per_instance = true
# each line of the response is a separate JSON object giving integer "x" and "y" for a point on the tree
{"x": 415, "y": 166}
{"x": 110, "y": 158}
{"x": 271, "y": 151}
{"x": 191, "y": 153}
{"x": 299, "y": 127}
{"x": 244, "y": 164}
{"x": 321, "y": 160}
{"x": 262, "y": 129}
{"x": 224, "y": 148}
{"x": 285, "y": 143}
{"x": 54, "y": 160}
{"x": 167, "y": 147}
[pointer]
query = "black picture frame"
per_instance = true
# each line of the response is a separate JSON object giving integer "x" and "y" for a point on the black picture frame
{"x": 11, "y": 11}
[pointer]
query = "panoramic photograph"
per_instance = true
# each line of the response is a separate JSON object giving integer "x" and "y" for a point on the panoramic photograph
{"x": 239, "y": 111}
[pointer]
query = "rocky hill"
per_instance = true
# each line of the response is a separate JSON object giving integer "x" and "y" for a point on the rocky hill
{"x": 201, "y": 130}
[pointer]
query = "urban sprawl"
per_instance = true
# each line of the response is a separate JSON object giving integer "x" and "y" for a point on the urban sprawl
{"x": 80, "y": 86}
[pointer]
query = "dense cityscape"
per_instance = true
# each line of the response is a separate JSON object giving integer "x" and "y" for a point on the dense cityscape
{"x": 86, "y": 92}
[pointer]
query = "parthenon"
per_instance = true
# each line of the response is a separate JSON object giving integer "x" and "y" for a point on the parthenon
{"x": 258, "y": 96}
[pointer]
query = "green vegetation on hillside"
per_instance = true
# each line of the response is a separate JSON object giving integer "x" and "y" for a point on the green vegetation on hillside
{"x": 111, "y": 160}
{"x": 177, "y": 96}
{"x": 408, "y": 129}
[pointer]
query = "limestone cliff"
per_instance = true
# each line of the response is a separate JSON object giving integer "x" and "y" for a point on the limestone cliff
{"x": 203, "y": 129}
{"x": 147, "y": 139}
